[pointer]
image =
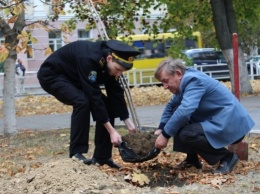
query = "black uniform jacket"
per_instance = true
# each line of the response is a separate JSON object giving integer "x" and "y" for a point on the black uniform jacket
{"x": 83, "y": 63}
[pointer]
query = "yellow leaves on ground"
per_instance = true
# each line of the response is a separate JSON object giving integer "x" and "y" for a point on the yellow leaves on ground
{"x": 32, "y": 105}
{"x": 11, "y": 164}
{"x": 142, "y": 96}
{"x": 29, "y": 149}
{"x": 11, "y": 168}
{"x": 258, "y": 166}
{"x": 140, "y": 179}
{"x": 148, "y": 96}
{"x": 217, "y": 182}
{"x": 160, "y": 171}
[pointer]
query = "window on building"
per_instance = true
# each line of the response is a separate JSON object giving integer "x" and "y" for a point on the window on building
{"x": 83, "y": 35}
{"x": 30, "y": 50}
{"x": 55, "y": 41}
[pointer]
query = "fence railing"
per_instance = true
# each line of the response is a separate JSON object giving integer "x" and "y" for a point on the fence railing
{"x": 145, "y": 77}
{"x": 218, "y": 71}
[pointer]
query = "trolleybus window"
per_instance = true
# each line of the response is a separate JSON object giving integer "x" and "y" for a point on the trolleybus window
{"x": 153, "y": 50}
{"x": 156, "y": 47}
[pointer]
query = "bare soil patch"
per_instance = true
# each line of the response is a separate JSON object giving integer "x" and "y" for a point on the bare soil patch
{"x": 142, "y": 143}
{"x": 37, "y": 162}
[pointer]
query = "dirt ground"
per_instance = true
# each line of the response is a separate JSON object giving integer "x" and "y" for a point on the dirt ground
{"x": 34, "y": 162}
{"x": 141, "y": 143}
{"x": 59, "y": 174}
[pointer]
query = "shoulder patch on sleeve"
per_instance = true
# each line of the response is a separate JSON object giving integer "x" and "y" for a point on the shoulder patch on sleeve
{"x": 92, "y": 77}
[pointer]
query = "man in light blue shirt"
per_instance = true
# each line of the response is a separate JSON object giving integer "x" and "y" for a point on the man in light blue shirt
{"x": 203, "y": 116}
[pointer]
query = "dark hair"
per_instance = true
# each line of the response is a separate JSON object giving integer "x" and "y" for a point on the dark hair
{"x": 170, "y": 65}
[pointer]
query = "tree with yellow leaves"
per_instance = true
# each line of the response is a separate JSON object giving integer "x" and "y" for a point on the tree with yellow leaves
{"x": 215, "y": 18}
{"x": 16, "y": 38}
{"x": 12, "y": 22}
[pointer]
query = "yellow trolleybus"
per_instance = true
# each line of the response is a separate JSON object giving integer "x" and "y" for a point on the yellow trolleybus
{"x": 153, "y": 50}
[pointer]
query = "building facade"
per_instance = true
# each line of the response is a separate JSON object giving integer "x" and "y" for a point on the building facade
{"x": 51, "y": 36}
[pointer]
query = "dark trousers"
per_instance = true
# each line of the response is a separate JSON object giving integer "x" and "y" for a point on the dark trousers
{"x": 103, "y": 145}
{"x": 191, "y": 139}
{"x": 70, "y": 94}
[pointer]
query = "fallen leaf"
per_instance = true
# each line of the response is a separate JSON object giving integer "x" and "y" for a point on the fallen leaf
{"x": 217, "y": 182}
{"x": 141, "y": 179}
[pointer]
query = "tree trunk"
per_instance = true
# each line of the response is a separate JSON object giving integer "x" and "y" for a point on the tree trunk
{"x": 9, "y": 97}
{"x": 225, "y": 25}
{"x": 11, "y": 41}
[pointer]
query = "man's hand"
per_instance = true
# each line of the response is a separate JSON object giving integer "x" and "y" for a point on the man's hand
{"x": 161, "y": 142}
{"x": 115, "y": 138}
{"x": 130, "y": 126}
{"x": 158, "y": 132}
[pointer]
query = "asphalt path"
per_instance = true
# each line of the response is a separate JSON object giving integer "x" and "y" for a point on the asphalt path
{"x": 148, "y": 116}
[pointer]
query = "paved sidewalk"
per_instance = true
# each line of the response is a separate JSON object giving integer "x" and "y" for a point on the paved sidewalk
{"x": 149, "y": 116}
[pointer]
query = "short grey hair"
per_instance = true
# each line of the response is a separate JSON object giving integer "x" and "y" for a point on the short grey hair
{"x": 170, "y": 65}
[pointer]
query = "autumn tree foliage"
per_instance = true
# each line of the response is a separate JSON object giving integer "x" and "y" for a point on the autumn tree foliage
{"x": 16, "y": 38}
{"x": 215, "y": 19}
{"x": 12, "y": 23}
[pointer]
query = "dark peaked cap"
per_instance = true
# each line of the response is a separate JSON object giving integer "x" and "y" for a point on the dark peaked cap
{"x": 123, "y": 53}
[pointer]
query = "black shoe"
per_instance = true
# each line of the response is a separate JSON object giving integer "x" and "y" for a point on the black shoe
{"x": 108, "y": 162}
{"x": 81, "y": 158}
{"x": 225, "y": 166}
{"x": 185, "y": 164}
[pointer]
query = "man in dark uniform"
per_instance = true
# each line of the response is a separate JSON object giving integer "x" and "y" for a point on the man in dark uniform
{"x": 73, "y": 74}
